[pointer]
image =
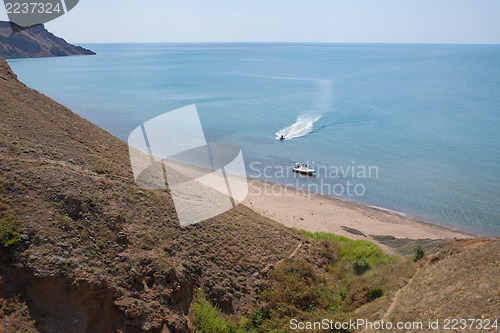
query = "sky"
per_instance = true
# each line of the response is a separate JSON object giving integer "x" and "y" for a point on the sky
{"x": 336, "y": 21}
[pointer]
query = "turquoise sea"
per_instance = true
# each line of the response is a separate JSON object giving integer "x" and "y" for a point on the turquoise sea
{"x": 424, "y": 119}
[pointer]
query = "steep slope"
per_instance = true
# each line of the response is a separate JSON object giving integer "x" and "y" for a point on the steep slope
{"x": 34, "y": 42}
{"x": 69, "y": 186}
{"x": 460, "y": 282}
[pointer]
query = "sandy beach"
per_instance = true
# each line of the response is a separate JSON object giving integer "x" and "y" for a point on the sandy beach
{"x": 319, "y": 213}
{"x": 303, "y": 210}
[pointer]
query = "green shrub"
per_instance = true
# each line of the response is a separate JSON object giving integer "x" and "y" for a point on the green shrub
{"x": 360, "y": 266}
{"x": 259, "y": 316}
{"x": 10, "y": 238}
{"x": 375, "y": 293}
{"x": 208, "y": 318}
{"x": 10, "y": 232}
{"x": 418, "y": 253}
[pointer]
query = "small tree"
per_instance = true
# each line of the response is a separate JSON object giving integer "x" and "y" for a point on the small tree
{"x": 418, "y": 253}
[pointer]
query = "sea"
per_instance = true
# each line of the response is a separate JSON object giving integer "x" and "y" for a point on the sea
{"x": 413, "y": 129}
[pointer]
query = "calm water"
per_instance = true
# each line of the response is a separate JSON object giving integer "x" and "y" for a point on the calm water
{"x": 426, "y": 118}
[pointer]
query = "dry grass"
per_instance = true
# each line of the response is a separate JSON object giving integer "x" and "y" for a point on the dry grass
{"x": 69, "y": 185}
{"x": 459, "y": 282}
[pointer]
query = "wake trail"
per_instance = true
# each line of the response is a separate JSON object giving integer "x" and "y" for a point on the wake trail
{"x": 321, "y": 104}
{"x": 303, "y": 126}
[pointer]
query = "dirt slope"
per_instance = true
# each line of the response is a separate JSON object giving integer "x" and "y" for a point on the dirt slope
{"x": 89, "y": 230}
{"x": 460, "y": 282}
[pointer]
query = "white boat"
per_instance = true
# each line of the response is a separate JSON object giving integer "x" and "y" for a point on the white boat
{"x": 303, "y": 169}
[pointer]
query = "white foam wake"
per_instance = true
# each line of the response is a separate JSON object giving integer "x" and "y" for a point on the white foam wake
{"x": 303, "y": 126}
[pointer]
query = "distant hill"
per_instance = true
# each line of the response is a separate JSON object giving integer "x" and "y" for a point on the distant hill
{"x": 34, "y": 42}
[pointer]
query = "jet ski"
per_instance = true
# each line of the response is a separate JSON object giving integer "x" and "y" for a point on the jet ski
{"x": 303, "y": 169}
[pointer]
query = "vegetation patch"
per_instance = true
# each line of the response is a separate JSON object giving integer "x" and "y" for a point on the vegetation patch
{"x": 208, "y": 318}
{"x": 10, "y": 237}
{"x": 347, "y": 275}
{"x": 418, "y": 253}
{"x": 352, "y": 250}
{"x": 360, "y": 266}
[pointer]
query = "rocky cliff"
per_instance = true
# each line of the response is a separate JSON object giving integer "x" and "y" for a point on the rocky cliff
{"x": 34, "y": 42}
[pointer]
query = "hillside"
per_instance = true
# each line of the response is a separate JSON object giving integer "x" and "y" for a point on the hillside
{"x": 460, "y": 282}
{"x": 34, "y": 42}
{"x": 96, "y": 243}
{"x": 83, "y": 249}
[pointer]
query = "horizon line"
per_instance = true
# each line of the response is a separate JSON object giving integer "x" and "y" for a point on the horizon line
{"x": 323, "y": 43}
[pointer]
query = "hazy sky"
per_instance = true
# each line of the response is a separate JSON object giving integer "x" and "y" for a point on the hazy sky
{"x": 372, "y": 21}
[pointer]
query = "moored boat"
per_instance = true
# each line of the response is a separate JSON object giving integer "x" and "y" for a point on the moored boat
{"x": 303, "y": 169}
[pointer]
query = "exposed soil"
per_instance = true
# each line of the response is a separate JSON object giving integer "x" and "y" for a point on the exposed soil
{"x": 70, "y": 186}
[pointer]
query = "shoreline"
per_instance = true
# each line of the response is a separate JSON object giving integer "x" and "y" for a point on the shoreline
{"x": 314, "y": 212}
